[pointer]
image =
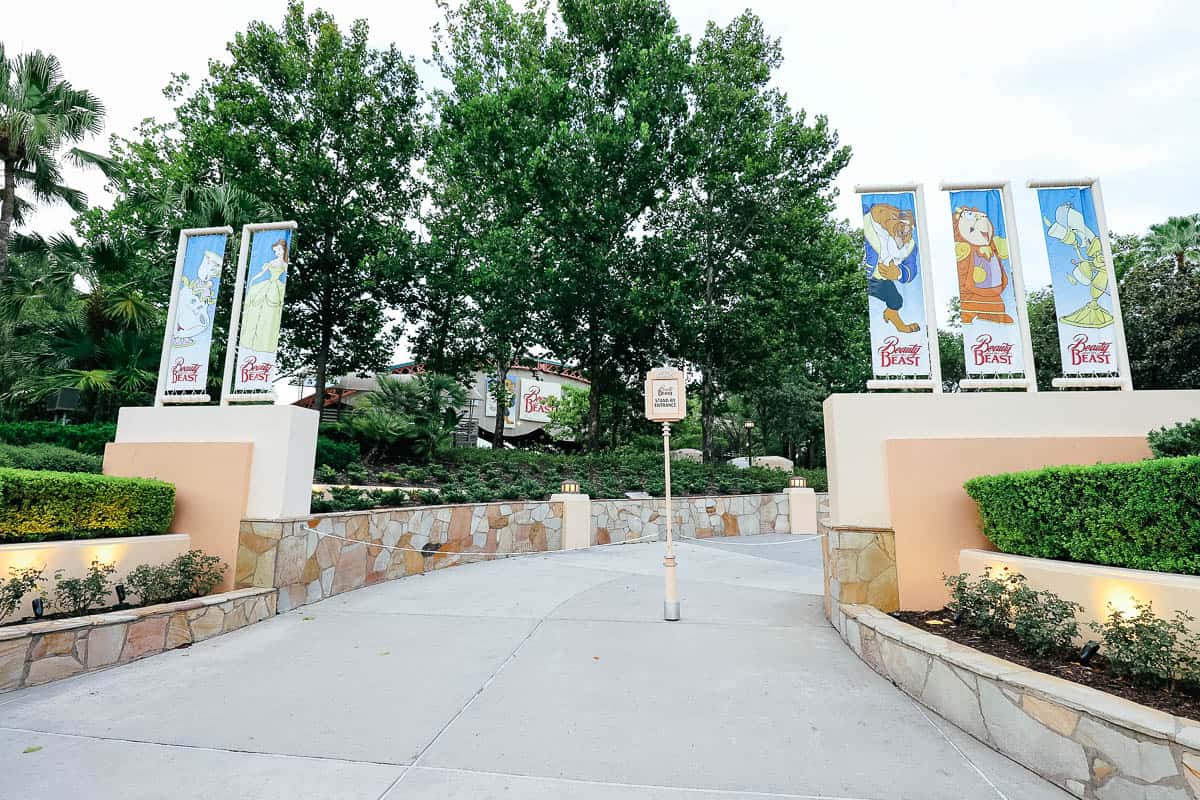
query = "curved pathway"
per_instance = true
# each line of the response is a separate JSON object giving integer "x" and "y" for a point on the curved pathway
{"x": 537, "y": 677}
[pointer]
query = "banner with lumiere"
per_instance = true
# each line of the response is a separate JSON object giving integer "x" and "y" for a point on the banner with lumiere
{"x": 997, "y": 348}
{"x": 259, "y": 290}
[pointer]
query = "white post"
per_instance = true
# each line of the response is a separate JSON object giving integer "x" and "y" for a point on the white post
{"x": 671, "y": 601}
{"x": 1123, "y": 368}
{"x": 235, "y": 318}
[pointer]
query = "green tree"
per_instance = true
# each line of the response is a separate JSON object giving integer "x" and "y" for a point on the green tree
{"x": 1176, "y": 241}
{"x": 40, "y": 113}
{"x": 319, "y": 125}
{"x": 756, "y": 188}
{"x": 418, "y": 414}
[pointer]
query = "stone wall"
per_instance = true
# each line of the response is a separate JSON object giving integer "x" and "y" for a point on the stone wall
{"x": 695, "y": 517}
{"x": 1093, "y": 744}
{"x": 860, "y": 567}
{"x": 315, "y": 557}
{"x": 41, "y": 652}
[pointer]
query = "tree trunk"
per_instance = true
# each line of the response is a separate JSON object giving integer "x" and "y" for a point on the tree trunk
{"x": 593, "y": 426}
{"x": 501, "y": 393}
{"x": 707, "y": 413}
{"x": 8, "y": 209}
{"x": 322, "y": 365}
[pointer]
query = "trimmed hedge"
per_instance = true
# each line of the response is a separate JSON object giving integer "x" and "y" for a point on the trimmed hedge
{"x": 48, "y": 456}
{"x": 40, "y": 506}
{"x": 1144, "y": 515}
{"x": 1180, "y": 439}
{"x": 87, "y": 437}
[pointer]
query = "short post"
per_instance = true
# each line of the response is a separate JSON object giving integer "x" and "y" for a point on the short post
{"x": 802, "y": 506}
{"x": 671, "y": 603}
{"x": 666, "y": 402}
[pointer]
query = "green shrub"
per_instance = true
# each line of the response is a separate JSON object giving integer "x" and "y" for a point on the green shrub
{"x": 48, "y": 456}
{"x": 984, "y": 604}
{"x": 20, "y": 583}
{"x": 42, "y": 506}
{"x": 356, "y": 473}
{"x": 1041, "y": 621}
{"x": 190, "y": 574}
{"x": 87, "y": 437}
{"x": 1142, "y": 515}
{"x": 1150, "y": 650}
{"x": 1180, "y": 439}
{"x": 337, "y": 454}
{"x": 325, "y": 474}
{"x": 77, "y": 595}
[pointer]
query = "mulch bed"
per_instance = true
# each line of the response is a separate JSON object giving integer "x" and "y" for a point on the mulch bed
{"x": 941, "y": 623}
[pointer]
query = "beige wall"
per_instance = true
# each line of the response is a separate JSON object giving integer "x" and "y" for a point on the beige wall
{"x": 284, "y": 439}
{"x": 74, "y": 558}
{"x": 211, "y": 480}
{"x": 857, "y": 425}
{"x": 1094, "y": 587}
{"x": 934, "y": 518}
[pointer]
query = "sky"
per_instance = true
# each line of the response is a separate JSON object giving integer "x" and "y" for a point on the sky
{"x": 925, "y": 91}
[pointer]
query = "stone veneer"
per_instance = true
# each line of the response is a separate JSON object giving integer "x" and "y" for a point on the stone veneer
{"x": 1093, "y": 744}
{"x": 860, "y": 567}
{"x": 697, "y": 517}
{"x": 314, "y": 557}
{"x": 41, "y": 652}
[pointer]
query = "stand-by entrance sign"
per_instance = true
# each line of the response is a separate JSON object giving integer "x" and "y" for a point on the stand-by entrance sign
{"x": 666, "y": 395}
{"x": 666, "y": 402}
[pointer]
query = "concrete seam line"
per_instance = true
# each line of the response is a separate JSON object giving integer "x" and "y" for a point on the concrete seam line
{"x": 957, "y": 749}
{"x": 203, "y": 748}
{"x": 649, "y": 786}
{"x": 490, "y": 679}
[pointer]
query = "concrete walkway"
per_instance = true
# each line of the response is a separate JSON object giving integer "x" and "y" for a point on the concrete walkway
{"x": 532, "y": 678}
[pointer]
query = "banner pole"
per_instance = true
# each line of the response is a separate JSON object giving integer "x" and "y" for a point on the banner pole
{"x": 1123, "y": 367}
{"x": 1018, "y": 275}
{"x": 926, "y": 267}
{"x": 172, "y": 309}
{"x": 235, "y": 316}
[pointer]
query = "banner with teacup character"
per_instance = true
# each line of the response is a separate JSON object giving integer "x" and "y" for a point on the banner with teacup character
{"x": 262, "y": 310}
{"x": 987, "y": 296}
{"x": 1080, "y": 276}
{"x": 892, "y": 258}
{"x": 195, "y": 305}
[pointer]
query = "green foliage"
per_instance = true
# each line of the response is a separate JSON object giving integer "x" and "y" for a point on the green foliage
{"x": 1180, "y": 439}
{"x": 89, "y": 437}
{"x": 191, "y": 574}
{"x": 1142, "y": 515}
{"x": 40, "y": 506}
{"x": 1150, "y": 650}
{"x": 336, "y": 453}
{"x": 20, "y": 583}
{"x": 1041, "y": 622}
{"x": 356, "y": 473}
{"x": 414, "y": 416}
{"x": 76, "y": 595}
{"x": 48, "y": 457}
{"x": 325, "y": 474}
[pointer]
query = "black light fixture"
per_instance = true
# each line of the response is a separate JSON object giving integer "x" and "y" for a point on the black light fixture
{"x": 1089, "y": 652}
{"x": 39, "y": 607}
{"x": 121, "y": 593}
{"x": 797, "y": 482}
{"x": 958, "y": 615}
{"x": 570, "y": 486}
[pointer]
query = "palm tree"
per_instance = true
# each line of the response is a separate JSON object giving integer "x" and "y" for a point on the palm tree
{"x": 40, "y": 112}
{"x": 1177, "y": 239}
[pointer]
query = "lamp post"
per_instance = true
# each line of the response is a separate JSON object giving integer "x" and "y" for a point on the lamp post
{"x": 666, "y": 402}
{"x": 749, "y": 426}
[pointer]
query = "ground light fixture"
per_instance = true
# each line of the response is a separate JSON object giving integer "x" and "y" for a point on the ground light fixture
{"x": 1089, "y": 652}
{"x": 39, "y": 607}
{"x": 570, "y": 486}
{"x": 120, "y": 593}
{"x": 749, "y": 426}
{"x": 797, "y": 482}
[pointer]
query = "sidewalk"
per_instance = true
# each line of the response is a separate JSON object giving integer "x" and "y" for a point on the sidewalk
{"x": 536, "y": 677}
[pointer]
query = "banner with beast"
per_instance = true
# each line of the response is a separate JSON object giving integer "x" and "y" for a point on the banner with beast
{"x": 895, "y": 285}
{"x": 195, "y": 304}
{"x": 1080, "y": 277}
{"x": 262, "y": 310}
{"x": 991, "y": 336}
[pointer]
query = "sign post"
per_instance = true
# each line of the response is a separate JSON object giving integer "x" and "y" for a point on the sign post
{"x": 666, "y": 402}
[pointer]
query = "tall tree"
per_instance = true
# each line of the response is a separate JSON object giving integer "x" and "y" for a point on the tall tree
{"x": 324, "y": 128}
{"x": 40, "y": 113}
{"x": 1176, "y": 241}
{"x": 754, "y": 200}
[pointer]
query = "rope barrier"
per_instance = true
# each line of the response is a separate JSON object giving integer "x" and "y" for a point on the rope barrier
{"x": 725, "y": 540}
{"x": 424, "y": 552}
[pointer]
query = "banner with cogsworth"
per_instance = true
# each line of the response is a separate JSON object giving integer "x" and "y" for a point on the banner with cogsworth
{"x": 896, "y": 285}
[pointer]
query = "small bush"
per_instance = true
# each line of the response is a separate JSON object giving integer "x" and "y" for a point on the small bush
{"x": 40, "y": 506}
{"x": 325, "y": 474}
{"x": 1180, "y": 439}
{"x": 20, "y": 583}
{"x": 997, "y": 605}
{"x": 48, "y": 457}
{"x": 77, "y": 595}
{"x": 1142, "y": 515}
{"x": 190, "y": 574}
{"x": 87, "y": 437}
{"x": 1150, "y": 650}
{"x": 336, "y": 453}
{"x": 985, "y": 604}
{"x": 356, "y": 473}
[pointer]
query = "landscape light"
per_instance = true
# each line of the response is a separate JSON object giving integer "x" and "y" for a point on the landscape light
{"x": 120, "y": 593}
{"x": 797, "y": 482}
{"x": 570, "y": 486}
{"x": 1088, "y": 652}
{"x": 39, "y": 607}
{"x": 748, "y": 424}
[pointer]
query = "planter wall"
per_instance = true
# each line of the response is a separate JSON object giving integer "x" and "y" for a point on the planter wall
{"x": 41, "y": 652}
{"x": 1092, "y": 744}
{"x": 697, "y": 517}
